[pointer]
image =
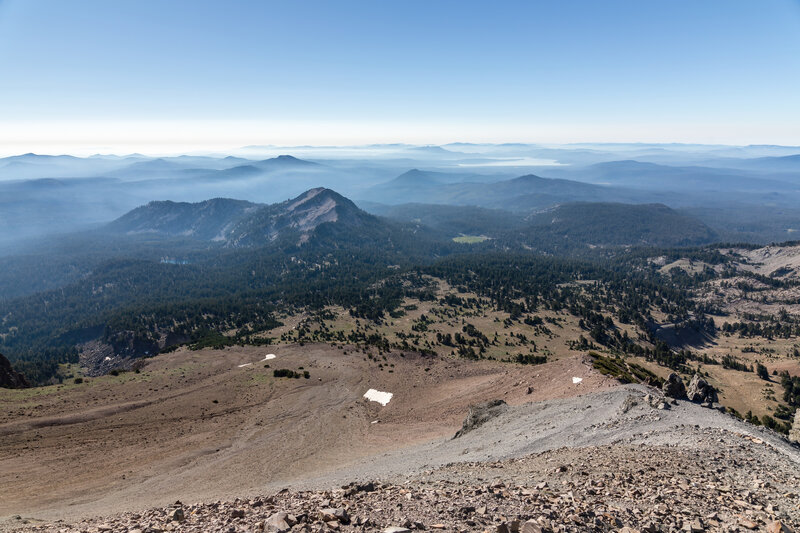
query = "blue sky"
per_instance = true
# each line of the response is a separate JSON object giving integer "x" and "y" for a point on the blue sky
{"x": 225, "y": 73}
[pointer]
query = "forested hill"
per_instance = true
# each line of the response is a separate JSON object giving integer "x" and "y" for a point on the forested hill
{"x": 567, "y": 228}
{"x": 615, "y": 224}
{"x": 315, "y": 250}
{"x": 207, "y": 220}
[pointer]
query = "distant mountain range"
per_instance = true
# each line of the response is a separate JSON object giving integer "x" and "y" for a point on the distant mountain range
{"x": 742, "y": 193}
{"x": 651, "y": 176}
{"x": 519, "y": 194}
{"x": 322, "y": 217}
{"x": 563, "y": 227}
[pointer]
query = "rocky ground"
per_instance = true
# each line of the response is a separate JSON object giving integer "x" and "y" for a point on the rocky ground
{"x": 624, "y": 459}
{"x": 567, "y": 450}
{"x": 721, "y": 483}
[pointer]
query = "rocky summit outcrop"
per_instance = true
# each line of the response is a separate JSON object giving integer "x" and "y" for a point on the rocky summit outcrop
{"x": 9, "y": 378}
{"x": 794, "y": 434}
{"x": 674, "y": 388}
{"x": 480, "y": 414}
{"x": 700, "y": 391}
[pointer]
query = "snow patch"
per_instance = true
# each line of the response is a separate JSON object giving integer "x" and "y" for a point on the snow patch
{"x": 266, "y": 358}
{"x": 378, "y": 396}
{"x": 576, "y": 380}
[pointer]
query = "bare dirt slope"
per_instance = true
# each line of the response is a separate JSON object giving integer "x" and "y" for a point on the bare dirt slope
{"x": 596, "y": 462}
{"x": 195, "y": 425}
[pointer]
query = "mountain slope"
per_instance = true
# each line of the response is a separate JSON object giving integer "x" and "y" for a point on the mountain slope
{"x": 296, "y": 219}
{"x": 209, "y": 220}
{"x": 318, "y": 215}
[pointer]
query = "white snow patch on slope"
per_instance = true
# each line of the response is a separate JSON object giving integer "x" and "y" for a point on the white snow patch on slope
{"x": 576, "y": 380}
{"x": 378, "y": 396}
{"x": 266, "y": 358}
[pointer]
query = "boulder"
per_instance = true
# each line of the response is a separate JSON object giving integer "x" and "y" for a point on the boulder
{"x": 278, "y": 522}
{"x": 9, "y": 378}
{"x": 531, "y": 527}
{"x": 176, "y": 514}
{"x": 334, "y": 515}
{"x": 700, "y": 391}
{"x": 674, "y": 387}
{"x": 354, "y": 488}
{"x": 778, "y": 527}
{"x": 656, "y": 401}
{"x": 794, "y": 434}
{"x": 480, "y": 414}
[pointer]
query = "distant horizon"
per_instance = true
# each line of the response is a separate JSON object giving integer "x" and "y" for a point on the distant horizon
{"x": 255, "y": 149}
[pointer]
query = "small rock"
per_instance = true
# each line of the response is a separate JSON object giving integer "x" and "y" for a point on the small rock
{"x": 176, "y": 514}
{"x": 237, "y": 513}
{"x": 396, "y": 529}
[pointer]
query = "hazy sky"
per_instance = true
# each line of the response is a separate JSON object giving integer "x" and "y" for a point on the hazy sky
{"x": 130, "y": 74}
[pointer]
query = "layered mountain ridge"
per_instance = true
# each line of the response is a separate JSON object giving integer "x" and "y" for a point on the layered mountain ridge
{"x": 238, "y": 223}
